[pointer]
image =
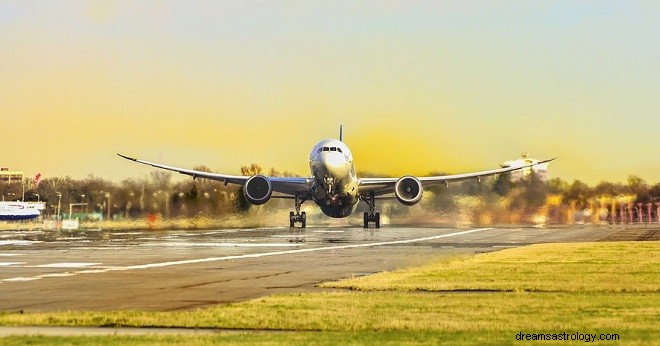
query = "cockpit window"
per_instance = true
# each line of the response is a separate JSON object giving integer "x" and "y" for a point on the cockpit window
{"x": 329, "y": 149}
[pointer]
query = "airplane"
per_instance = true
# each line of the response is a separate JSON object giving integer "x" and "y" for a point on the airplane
{"x": 333, "y": 185}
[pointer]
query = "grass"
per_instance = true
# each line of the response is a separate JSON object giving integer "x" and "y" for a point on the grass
{"x": 549, "y": 288}
{"x": 591, "y": 267}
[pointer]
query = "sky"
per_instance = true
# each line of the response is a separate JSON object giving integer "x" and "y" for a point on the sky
{"x": 419, "y": 86}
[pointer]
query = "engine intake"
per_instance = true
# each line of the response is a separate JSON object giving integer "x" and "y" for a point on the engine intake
{"x": 258, "y": 189}
{"x": 408, "y": 190}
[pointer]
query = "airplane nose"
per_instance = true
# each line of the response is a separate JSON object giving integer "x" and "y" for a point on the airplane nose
{"x": 335, "y": 164}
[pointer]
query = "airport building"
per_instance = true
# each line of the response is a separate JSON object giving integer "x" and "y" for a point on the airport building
{"x": 540, "y": 170}
{"x": 7, "y": 176}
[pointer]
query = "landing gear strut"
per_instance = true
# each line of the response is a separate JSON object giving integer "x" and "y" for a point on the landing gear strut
{"x": 298, "y": 216}
{"x": 371, "y": 216}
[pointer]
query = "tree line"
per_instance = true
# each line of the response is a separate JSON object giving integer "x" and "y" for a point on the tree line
{"x": 496, "y": 199}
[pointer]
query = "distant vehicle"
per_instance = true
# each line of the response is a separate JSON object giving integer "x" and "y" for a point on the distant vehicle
{"x": 12, "y": 211}
{"x": 333, "y": 185}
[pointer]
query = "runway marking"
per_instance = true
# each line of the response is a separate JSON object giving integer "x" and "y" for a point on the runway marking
{"x": 56, "y": 275}
{"x": 19, "y": 242}
{"x": 21, "y": 279}
{"x": 5, "y": 264}
{"x": 67, "y": 265}
{"x": 9, "y": 254}
{"x": 183, "y": 244}
{"x": 254, "y": 255}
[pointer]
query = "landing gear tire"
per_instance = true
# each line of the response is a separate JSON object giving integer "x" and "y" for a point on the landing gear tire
{"x": 375, "y": 218}
{"x": 298, "y": 216}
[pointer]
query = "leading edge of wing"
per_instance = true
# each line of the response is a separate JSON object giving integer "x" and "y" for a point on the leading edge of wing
{"x": 234, "y": 179}
{"x": 284, "y": 185}
{"x": 443, "y": 178}
{"x": 384, "y": 185}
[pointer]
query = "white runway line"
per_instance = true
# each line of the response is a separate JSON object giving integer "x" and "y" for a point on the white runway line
{"x": 67, "y": 265}
{"x": 22, "y": 279}
{"x": 56, "y": 275}
{"x": 9, "y": 254}
{"x": 5, "y": 264}
{"x": 19, "y": 242}
{"x": 255, "y": 255}
{"x": 184, "y": 244}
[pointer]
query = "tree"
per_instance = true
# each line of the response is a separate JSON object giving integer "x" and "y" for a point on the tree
{"x": 161, "y": 180}
{"x": 536, "y": 191}
{"x": 578, "y": 192}
{"x": 606, "y": 188}
{"x": 558, "y": 186}
{"x": 640, "y": 188}
{"x": 503, "y": 184}
{"x": 251, "y": 170}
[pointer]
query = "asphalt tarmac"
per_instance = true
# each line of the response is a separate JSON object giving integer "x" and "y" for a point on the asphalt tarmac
{"x": 170, "y": 270}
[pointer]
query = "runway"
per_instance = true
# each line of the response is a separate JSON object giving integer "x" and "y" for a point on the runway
{"x": 169, "y": 270}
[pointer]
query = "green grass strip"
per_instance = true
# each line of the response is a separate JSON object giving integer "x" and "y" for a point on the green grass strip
{"x": 364, "y": 311}
{"x": 575, "y": 267}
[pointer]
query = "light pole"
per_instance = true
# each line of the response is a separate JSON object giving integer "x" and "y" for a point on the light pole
{"x": 59, "y": 205}
{"x": 107, "y": 195}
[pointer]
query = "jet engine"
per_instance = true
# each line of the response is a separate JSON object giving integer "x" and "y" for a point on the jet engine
{"x": 408, "y": 190}
{"x": 257, "y": 189}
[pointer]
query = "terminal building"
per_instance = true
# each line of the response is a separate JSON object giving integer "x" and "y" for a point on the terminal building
{"x": 541, "y": 170}
{"x": 7, "y": 176}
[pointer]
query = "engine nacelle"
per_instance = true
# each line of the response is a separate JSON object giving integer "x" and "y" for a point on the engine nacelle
{"x": 408, "y": 190}
{"x": 257, "y": 189}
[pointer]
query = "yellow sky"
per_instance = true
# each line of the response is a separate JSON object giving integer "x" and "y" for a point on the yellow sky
{"x": 447, "y": 86}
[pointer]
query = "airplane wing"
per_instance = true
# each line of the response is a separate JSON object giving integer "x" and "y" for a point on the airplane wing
{"x": 286, "y": 185}
{"x": 382, "y": 186}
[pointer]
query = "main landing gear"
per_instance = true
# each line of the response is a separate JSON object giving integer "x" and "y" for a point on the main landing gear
{"x": 371, "y": 216}
{"x": 298, "y": 217}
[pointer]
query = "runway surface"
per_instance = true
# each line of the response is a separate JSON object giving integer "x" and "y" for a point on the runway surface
{"x": 169, "y": 270}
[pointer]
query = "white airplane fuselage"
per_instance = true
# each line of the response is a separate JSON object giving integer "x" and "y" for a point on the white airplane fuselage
{"x": 335, "y": 186}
